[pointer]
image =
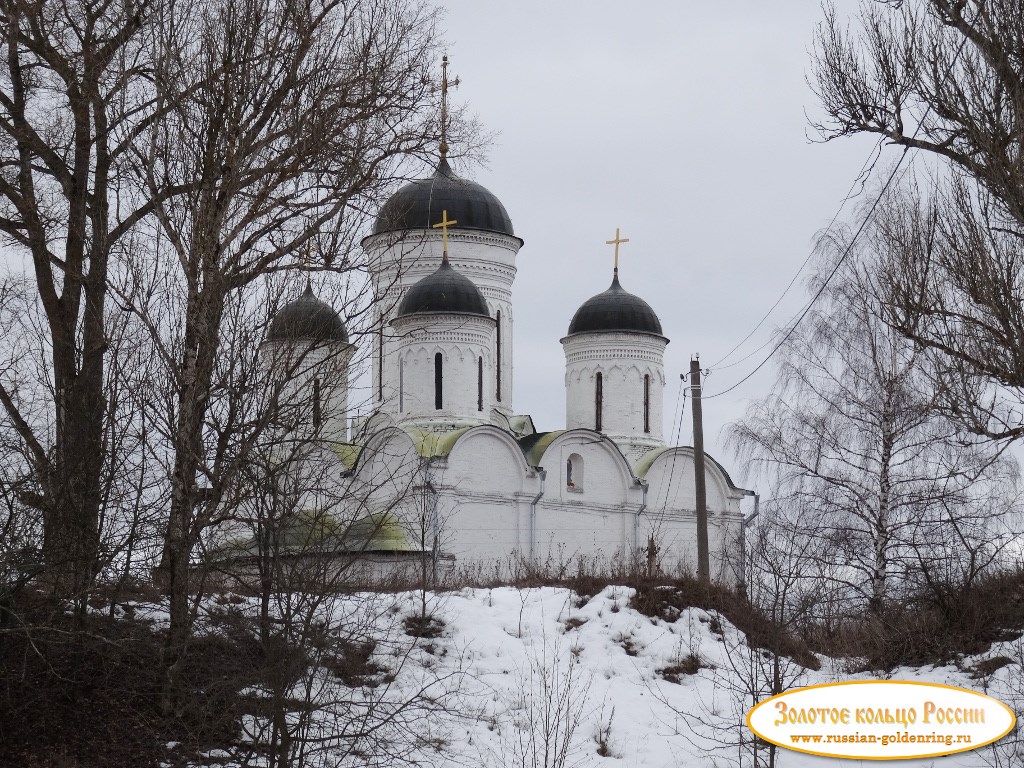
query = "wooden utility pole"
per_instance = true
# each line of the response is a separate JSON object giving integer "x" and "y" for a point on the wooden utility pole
{"x": 699, "y": 478}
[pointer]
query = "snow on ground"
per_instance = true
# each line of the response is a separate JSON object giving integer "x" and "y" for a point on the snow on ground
{"x": 513, "y": 660}
{"x": 648, "y": 720}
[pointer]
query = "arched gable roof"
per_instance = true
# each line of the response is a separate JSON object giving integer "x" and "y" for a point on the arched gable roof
{"x": 539, "y": 449}
{"x": 533, "y": 446}
{"x": 348, "y": 453}
{"x": 501, "y": 435}
{"x": 643, "y": 467}
{"x": 375, "y": 441}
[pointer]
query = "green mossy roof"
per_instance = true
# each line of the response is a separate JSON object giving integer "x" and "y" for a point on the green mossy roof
{"x": 314, "y": 531}
{"x": 434, "y": 444}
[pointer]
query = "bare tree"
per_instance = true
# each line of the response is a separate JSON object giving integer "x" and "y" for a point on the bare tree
{"x": 550, "y": 705}
{"x": 303, "y": 532}
{"x": 285, "y": 120}
{"x": 851, "y": 436}
{"x": 946, "y": 77}
{"x": 75, "y": 97}
{"x": 128, "y": 484}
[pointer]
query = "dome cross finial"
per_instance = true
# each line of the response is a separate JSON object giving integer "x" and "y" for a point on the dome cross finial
{"x": 443, "y": 225}
{"x": 307, "y": 264}
{"x": 616, "y": 243}
{"x": 444, "y": 104}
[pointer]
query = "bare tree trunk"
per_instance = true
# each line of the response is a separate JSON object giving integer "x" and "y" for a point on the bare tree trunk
{"x": 202, "y": 337}
{"x": 62, "y": 154}
{"x": 283, "y": 117}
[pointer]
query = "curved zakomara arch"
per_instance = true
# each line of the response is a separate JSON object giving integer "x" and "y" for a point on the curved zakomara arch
{"x": 590, "y": 437}
{"x": 505, "y": 470}
{"x": 376, "y": 444}
{"x": 376, "y": 422}
{"x": 515, "y": 452}
{"x": 723, "y": 483}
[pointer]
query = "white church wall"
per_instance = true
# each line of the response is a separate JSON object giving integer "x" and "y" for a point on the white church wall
{"x": 623, "y": 359}
{"x": 566, "y": 532}
{"x": 670, "y": 482}
{"x": 306, "y": 370}
{"x": 671, "y": 511}
{"x": 488, "y": 487}
{"x": 486, "y": 460}
{"x": 388, "y": 476}
{"x": 462, "y": 341}
{"x": 607, "y": 477}
{"x": 592, "y": 516}
{"x": 399, "y": 260}
{"x": 485, "y": 531}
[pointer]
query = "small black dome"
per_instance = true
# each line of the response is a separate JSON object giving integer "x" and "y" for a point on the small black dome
{"x": 418, "y": 205}
{"x": 444, "y": 290}
{"x": 615, "y": 310}
{"x": 307, "y": 318}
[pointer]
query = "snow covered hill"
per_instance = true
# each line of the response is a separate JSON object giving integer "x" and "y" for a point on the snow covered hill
{"x": 540, "y": 677}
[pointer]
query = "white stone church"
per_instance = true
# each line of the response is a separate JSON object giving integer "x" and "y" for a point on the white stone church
{"x": 445, "y": 466}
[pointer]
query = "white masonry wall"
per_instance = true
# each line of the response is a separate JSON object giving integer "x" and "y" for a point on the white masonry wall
{"x": 398, "y": 260}
{"x": 672, "y": 517}
{"x": 485, "y": 492}
{"x": 492, "y": 512}
{"x": 623, "y": 359}
{"x": 461, "y": 340}
{"x": 301, "y": 368}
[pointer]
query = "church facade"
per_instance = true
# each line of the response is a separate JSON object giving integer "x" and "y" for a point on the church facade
{"x": 445, "y": 466}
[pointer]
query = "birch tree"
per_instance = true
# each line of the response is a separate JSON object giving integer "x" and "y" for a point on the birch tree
{"x": 852, "y": 438}
{"x": 945, "y": 78}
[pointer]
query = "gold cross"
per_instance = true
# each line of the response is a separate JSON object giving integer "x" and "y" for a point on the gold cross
{"x": 444, "y": 104}
{"x": 616, "y": 242}
{"x": 443, "y": 225}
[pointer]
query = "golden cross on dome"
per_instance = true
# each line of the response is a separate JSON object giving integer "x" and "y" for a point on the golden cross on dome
{"x": 616, "y": 242}
{"x": 443, "y": 225}
{"x": 307, "y": 261}
{"x": 444, "y": 104}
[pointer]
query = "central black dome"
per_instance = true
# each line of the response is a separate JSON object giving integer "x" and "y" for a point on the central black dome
{"x": 615, "y": 310}
{"x": 307, "y": 318}
{"x": 444, "y": 290}
{"x": 418, "y": 205}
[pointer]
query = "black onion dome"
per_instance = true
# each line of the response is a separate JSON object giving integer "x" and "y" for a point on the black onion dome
{"x": 444, "y": 290}
{"x": 307, "y": 318}
{"x": 419, "y": 204}
{"x": 615, "y": 310}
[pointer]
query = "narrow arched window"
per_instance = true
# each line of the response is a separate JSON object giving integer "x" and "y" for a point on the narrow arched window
{"x": 479, "y": 383}
{"x": 401, "y": 386}
{"x": 317, "y": 412}
{"x": 438, "y": 400}
{"x": 380, "y": 364}
{"x": 497, "y": 355}
{"x": 647, "y": 402}
{"x": 574, "y": 472}
{"x": 598, "y": 400}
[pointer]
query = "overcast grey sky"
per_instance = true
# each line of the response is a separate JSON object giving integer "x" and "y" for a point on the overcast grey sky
{"x": 683, "y": 123}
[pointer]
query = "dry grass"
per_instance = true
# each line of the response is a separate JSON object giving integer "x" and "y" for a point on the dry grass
{"x": 81, "y": 692}
{"x": 934, "y": 627}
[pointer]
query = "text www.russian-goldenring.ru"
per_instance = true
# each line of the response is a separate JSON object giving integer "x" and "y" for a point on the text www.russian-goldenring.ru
{"x": 948, "y": 739}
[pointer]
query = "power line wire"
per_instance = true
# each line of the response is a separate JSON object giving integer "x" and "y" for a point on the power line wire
{"x": 807, "y": 308}
{"x": 849, "y": 248}
{"x": 865, "y": 170}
